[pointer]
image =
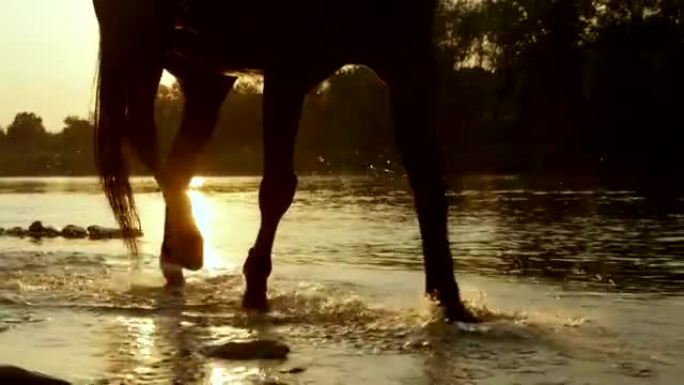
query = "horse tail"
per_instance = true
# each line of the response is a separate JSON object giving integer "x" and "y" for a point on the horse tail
{"x": 127, "y": 34}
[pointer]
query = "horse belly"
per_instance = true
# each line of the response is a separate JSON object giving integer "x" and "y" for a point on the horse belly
{"x": 223, "y": 54}
{"x": 224, "y": 35}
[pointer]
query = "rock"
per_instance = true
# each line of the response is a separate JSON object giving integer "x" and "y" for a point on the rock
{"x": 249, "y": 350}
{"x": 37, "y": 230}
{"x": 2, "y": 231}
{"x": 100, "y": 232}
{"x": 294, "y": 370}
{"x": 36, "y": 227}
{"x": 74, "y": 232}
{"x": 17, "y": 232}
{"x": 51, "y": 232}
{"x": 15, "y": 375}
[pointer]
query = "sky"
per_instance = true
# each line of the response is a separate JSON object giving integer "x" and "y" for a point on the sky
{"x": 48, "y": 59}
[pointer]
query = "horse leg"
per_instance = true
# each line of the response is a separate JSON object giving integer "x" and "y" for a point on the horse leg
{"x": 183, "y": 244}
{"x": 141, "y": 119}
{"x": 413, "y": 94}
{"x": 281, "y": 111}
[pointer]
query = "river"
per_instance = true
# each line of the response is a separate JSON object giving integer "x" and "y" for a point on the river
{"x": 580, "y": 285}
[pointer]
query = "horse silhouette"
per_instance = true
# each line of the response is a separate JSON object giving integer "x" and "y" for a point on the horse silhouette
{"x": 207, "y": 44}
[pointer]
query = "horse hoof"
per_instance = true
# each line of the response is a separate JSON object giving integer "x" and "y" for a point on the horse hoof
{"x": 186, "y": 250}
{"x": 173, "y": 273}
{"x": 189, "y": 251}
{"x": 459, "y": 313}
{"x": 193, "y": 251}
{"x": 256, "y": 302}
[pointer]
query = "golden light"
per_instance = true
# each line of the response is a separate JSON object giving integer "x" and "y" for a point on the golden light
{"x": 197, "y": 182}
{"x": 202, "y": 213}
{"x": 143, "y": 331}
{"x": 167, "y": 79}
{"x": 237, "y": 375}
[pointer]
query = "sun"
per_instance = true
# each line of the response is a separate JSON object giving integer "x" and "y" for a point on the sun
{"x": 197, "y": 182}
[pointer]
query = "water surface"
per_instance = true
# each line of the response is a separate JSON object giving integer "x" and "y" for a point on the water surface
{"x": 582, "y": 285}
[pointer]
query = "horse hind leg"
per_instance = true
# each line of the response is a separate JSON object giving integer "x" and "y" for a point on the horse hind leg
{"x": 281, "y": 110}
{"x": 412, "y": 90}
{"x": 183, "y": 243}
{"x": 143, "y": 135}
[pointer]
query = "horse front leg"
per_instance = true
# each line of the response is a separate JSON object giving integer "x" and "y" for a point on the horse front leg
{"x": 183, "y": 244}
{"x": 413, "y": 97}
{"x": 282, "y": 105}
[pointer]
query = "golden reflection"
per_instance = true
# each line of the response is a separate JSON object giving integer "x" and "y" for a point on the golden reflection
{"x": 228, "y": 225}
{"x": 143, "y": 330}
{"x": 219, "y": 375}
{"x": 203, "y": 214}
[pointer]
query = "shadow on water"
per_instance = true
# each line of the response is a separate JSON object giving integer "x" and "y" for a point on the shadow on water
{"x": 599, "y": 239}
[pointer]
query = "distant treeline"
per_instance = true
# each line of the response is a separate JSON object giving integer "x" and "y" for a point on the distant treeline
{"x": 528, "y": 86}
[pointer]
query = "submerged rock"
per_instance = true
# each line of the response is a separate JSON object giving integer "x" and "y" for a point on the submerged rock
{"x": 249, "y": 350}
{"x": 36, "y": 227}
{"x": 15, "y": 375}
{"x": 37, "y": 230}
{"x": 294, "y": 370}
{"x": 74, "y": 232}
{"x": 100, "y": 232}
{"x": 17, "y": 232}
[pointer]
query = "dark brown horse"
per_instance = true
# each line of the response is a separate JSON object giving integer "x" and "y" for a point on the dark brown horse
{"x": 206, "y": 44}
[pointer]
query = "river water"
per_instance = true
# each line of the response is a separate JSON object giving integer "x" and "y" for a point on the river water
{"x": 579, "y": 285}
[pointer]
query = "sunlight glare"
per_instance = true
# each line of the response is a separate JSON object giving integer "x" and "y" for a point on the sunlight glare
{"x": 237, "y": 375}
{"x": 202, "y": 212}
{"x": 168, "y": 79}
{"x": 197, "y": 182}
{"x": 143, "y": 331}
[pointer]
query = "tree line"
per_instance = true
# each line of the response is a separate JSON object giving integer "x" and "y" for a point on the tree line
{"x": 527, "y": 86}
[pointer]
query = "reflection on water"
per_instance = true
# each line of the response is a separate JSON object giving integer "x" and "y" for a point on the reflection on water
{"x": 144, "y": 331}
{"x": 240, "y": 375}
{"x": 202, "y": 212}
{"x": 577, "y": 279}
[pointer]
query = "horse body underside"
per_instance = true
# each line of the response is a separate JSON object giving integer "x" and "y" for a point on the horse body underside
{"x": 240, "y": 37}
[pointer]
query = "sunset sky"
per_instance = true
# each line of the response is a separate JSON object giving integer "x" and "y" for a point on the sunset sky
{"x": 48, "y": 57}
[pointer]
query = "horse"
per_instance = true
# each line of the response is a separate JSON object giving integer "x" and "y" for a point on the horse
{"x": 207, "y": 45}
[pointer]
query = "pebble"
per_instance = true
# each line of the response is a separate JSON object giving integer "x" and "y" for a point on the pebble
{"x": 17, "y": 232}
{"x": 100, "y": 232}
{"x": 74, "y": 232}
{"x": 37, "y": 230}
{"x": 295, "y": 370}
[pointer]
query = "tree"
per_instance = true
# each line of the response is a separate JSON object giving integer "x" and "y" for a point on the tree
{"x": 76, "y": 146}
{"x": 77, "y": 134}
{"x": 27, "y": 130}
